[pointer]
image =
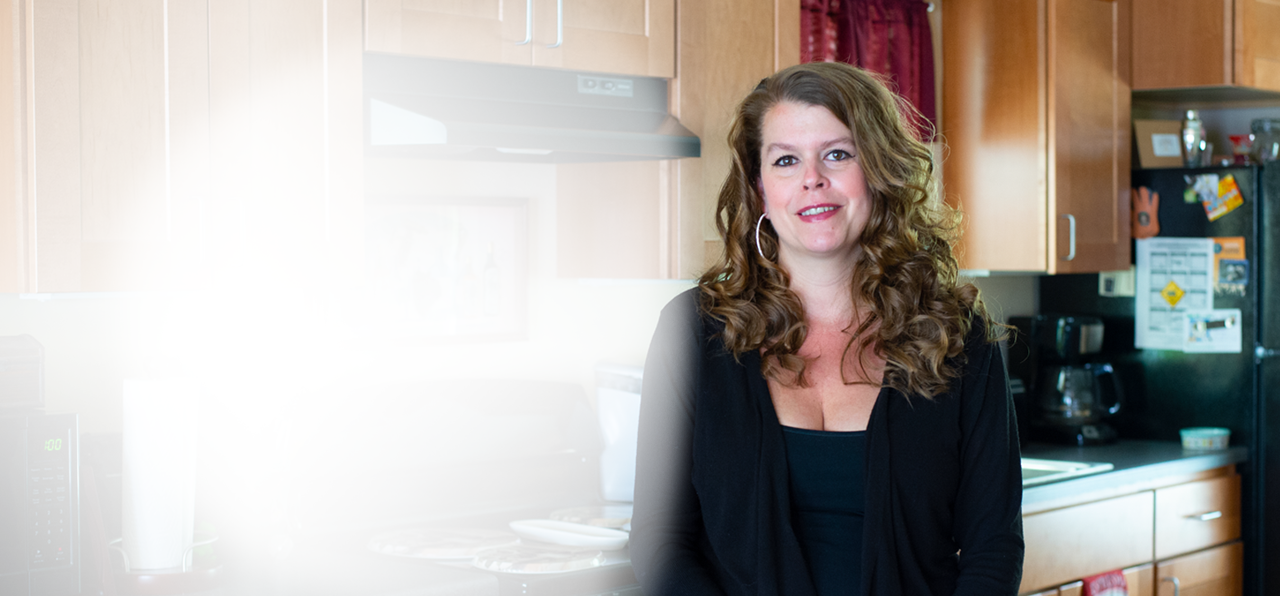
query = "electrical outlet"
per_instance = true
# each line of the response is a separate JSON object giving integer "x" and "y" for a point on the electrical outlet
{"x": 1116, "y": 284}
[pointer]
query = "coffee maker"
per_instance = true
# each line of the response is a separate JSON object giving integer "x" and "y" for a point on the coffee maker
{"x": 1072, "y": 394}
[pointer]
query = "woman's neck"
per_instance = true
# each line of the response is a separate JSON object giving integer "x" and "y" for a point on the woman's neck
{"x": 823, "y": 288}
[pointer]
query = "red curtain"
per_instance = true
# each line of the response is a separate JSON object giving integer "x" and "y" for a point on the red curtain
{"x": 889, "y": 37}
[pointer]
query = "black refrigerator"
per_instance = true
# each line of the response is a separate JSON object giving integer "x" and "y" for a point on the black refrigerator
{"x": 1168, "y": 390}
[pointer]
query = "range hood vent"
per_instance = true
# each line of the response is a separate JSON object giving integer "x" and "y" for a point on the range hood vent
{"x": 445, "y": 109}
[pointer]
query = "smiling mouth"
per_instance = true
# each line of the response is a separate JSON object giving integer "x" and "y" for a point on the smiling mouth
{"x": 816, "y": 210}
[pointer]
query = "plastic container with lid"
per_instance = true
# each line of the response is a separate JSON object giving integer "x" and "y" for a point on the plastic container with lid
{"x": 1266, "y": 139}
{"x": 1205, "y": 437}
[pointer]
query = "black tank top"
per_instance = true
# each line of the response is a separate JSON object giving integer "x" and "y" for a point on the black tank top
{"x": 827, "y": 472}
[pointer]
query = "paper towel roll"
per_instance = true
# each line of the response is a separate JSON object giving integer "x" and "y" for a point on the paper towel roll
{"x": 159, "y": 471}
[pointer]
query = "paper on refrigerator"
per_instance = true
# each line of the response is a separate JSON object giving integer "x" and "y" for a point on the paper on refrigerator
{"x": 1174, "y": 278}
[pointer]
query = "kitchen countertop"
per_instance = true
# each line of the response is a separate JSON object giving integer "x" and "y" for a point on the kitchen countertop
{"x": 1138, "y": 464}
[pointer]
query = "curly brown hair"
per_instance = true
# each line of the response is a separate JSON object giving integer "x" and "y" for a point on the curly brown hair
{"x": 917, "y": 314}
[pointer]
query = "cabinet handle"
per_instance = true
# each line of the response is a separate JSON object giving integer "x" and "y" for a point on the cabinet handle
{"x": 528, "y": 22}
{"x": 559, "y": 24}
{"x": 1177, "y": 586}
{"x": 1071, "y": 237}
{"x": 1212, "y": 515}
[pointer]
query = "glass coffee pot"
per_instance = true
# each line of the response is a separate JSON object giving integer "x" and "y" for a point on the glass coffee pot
{"x": 1072, "y": 395}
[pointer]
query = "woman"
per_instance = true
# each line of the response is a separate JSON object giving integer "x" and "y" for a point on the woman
{"x": 827, "y": 412}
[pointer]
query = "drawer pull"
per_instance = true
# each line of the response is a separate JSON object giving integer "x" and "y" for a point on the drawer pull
{"x": 1212, "y": 515}
{"x": 1177, "y": 586}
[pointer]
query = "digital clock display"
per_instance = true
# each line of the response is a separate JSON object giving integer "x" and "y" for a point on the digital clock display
{"x": 53, "y": 445}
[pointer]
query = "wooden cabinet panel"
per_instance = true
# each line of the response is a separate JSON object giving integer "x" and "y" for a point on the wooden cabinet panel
{"x": 15, "y": 206}
{"x": 993, "y": 121}
{"x": 1197, "y": 515}
{"x": 1256, "y": 48}
{"x": 156, "y": 144}
{"x": 483, "y": 30}
{"x": 726, "y": 47}
{"x": 1214, "y": 572}
{"x": 1141, "y": 580}
{"x": 635, "y": 37}
{"x": 1083, "y": 540}
{"x": 1181, "y": 43}
{"x": 609, "y": 217}
{"x": 1035, "y": 155}
{"x": 622, "y": 36}
{"x": 53, "y": 55}
{"x": 1197, "y": 43}
{"x": 1089, "y": 135}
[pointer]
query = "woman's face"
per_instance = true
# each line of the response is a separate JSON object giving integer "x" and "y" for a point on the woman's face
{"x": 811, "y": 178}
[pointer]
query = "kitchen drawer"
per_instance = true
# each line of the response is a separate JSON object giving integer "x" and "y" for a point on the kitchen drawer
{"x": 1214, "y": 572}
{"x": 1074, "y": 542}
{"x": 1141, "y": 580}
{"x": 1197, "y": 515}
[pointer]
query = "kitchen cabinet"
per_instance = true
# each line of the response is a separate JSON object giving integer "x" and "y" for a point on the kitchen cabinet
{"x": 725, "y": 48}
{"x": 1216, "y": 571}
{"x": 1036, "y": 116}
{"x": 634, "y": 37}
{"x": 1186, "y": 524}
{"x": 1205, "y": 43}
{"x": 162, "y": 145}
{"x": 1140, "y": 581}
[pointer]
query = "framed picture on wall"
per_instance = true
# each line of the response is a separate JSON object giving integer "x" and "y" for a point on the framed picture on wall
{"x": 449, "y": 269}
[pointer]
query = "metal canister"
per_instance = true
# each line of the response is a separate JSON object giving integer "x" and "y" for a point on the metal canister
{"x": 1192, "y": 136}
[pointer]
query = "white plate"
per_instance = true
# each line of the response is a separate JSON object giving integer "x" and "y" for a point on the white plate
{"x": 604, "y": 516}
{"x": 438, "y": 544}
{"x": 569, "y": 533}
{"x": 538, "y": 558}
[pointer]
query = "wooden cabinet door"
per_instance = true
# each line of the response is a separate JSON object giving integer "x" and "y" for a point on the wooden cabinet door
{"x": 1141, "y": 580}
{"x": 16, "y": 208}
{"x": 1088, "y": 135}
{"x": 114, "y": 113}
{"x": 1215, "y": 572}
{"x": 1201, "y": 43}
{"x": 726, "y": 47}
{"x": 1074, "y": 542}
{"x": 1039, "y": 160}
{"x": 1181, "y": 43}
{"x": 286, "y": 151}
{"x": 482, "y": 30}
{"x": 1255, "y": 47}
{"x": 157, "y": 143}
{"x": 635, "y": 37}
{"x": 994, "y": 114}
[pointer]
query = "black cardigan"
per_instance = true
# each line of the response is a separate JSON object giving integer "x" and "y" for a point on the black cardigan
{"x": 712, "y": 511}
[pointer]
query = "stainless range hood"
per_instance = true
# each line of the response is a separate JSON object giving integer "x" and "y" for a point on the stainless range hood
{"x": 445, "y": 109}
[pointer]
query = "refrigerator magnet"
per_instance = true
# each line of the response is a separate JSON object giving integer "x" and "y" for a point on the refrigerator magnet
{"x": 1230, "y": 266}
{"x": 1226, "y": 198}
{"x": 1213, "y": 331}
{"x": 1146, "y": 210}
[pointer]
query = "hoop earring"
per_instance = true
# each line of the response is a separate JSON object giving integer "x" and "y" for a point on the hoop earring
{"x": 759, "y": 249}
